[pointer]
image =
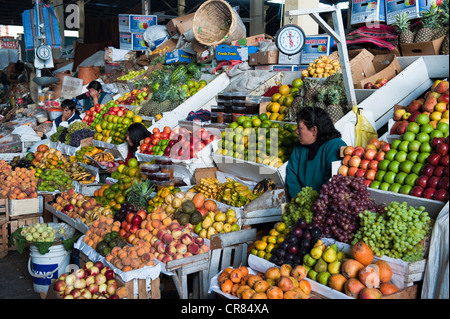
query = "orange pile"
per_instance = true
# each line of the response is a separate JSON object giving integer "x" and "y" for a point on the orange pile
{"x": 19, "y": 183}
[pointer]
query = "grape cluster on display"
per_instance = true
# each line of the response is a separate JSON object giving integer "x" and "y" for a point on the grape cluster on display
{"x": 300, "y": 206}
{"x": 397, "y": 233}
{"x": 79, "y": 135}
{"x": 341, "y": 200}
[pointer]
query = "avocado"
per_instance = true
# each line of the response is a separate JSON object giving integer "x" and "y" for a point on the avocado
{"x": 29, "y": 156}
{"x": 183, "y": 219}
{"x": 196, "y": 218}
{"x": 101, "y": 246}
{"x": 188, "y": 207}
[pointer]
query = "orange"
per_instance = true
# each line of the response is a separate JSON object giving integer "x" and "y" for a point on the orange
{"x": 284, "y": 89}
{"x": 275, "y": 107}
{"x": 137, "y": 119}
{"x": 132, "y": 162}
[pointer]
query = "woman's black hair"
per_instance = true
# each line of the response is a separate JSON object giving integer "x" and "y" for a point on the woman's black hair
{"x": 315, "y": 116}
{"x": 70, "y": 104}
{"x": 137, "y": 132}
{"x": 95, "y": 85}
{"x": 20, "y": 66}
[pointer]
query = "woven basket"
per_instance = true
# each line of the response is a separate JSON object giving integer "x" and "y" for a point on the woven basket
{"x": 215, "y": 22}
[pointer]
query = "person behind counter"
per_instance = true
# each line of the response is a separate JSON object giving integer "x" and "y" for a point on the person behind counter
{"x": 69, "y": 115}
{"x": 95, "y": 95}
{"x": 319, "y": 144}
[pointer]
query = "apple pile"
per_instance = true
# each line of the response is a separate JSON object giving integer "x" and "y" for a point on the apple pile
{"x": 433, "y": 105}
{"x": 132, "y": 222}
{"x": 378, "y": 84}
{"x": 179, "y": 143}
{"x": 414, "y": 154}
{"x": 135, "y": 97}
{"x": 93, "y": 281}
{"x": 363, "y": 162}
{"x": 433, "y": 180}
{"x": 95, "y": 114}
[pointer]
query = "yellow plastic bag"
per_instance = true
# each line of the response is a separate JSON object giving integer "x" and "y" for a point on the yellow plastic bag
{"x": 364, "y": 131}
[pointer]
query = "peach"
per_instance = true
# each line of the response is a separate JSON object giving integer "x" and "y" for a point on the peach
{"x": 388, "y": 288}
{"x": 384, "y": 270}
{"x": 272, "y": 273}
{"x": 252, "y": 279}
{"x": 352, "y": 287}
{"x": 337, "y": 282}
{"x": 285, "y": 270}
{"x": 369, "y": 276}
{"x": 274, "y": 292}
{"x": 305, "y": 286}
{"x": 292, "y": 294}
{"x": 259, "y": 295}
{"x": 299, "y": 272}
{"x": 350, "y": 268}
{"x": 260, "y": 285}
{"x": 370, "y": 293}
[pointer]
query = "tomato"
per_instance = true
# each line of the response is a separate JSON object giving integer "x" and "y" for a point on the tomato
{"x": 157, "y": 135}
{"x": 147, "y": 140}
{"x": 144, "y": 147}
{"x": 155, "y": 141}
{"x": 167, "y": 129}
{"x": 156, "y": 130}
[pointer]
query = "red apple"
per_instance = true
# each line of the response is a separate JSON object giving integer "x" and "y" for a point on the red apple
{"x": 370, "y": 154}
{"x": 360, "y": 172}
{"x": 358, "y": 151}
{"x": 433, "y": 182}
{"x": 386, "y": 147}
{"x": 352, "y": 171}
{"x": 417, "y": 191}
{"x": 422, "y": 181}
{"x": 429, "y": 193}
{"x": 364, "y": 164}
{"x": 370, "y": 174}
{"x": 443, "y": 182}
{"x": 373, "y": 164}
{"x": 441, "y": 195}
{"x": 354, "y": 161}
{"x": 346, "y": 160}
{"x": 444, "y": 161}
{"x": 433, "y": 159}
{"x": 427, "y": 170}
{"x": 438, "y": 171}
{"x": 442, "y": 149}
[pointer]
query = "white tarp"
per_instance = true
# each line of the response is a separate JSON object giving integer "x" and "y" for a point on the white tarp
{"x": 436, "y": 281}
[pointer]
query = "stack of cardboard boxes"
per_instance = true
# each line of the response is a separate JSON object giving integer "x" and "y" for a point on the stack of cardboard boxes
{"x": 131, "y": 31}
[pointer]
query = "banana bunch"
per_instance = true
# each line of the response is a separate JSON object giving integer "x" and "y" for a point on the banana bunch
{"x": 78, "y": 173}
{"x": 96, "y": 213}
{"x": 210, "y": 187}
{"x": 104, "y": 157}
{"x": 265, "y": 185}
{"x": 90, "y": 150}
{"x": 235, "y": 194}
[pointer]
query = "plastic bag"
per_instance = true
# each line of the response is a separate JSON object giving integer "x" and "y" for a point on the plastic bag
{"x": 364, "y": 131}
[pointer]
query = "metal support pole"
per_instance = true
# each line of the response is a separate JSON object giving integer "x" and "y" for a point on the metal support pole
{"x": 338, "y": 35}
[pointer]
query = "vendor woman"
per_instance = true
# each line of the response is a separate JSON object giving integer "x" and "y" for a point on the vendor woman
{"x": 319, "y": 145}
{"x": 69, "y": 115}
{"x": 96, "y": 95}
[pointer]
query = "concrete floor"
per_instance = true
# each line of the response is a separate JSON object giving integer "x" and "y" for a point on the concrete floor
{"x": 17, "y": 283}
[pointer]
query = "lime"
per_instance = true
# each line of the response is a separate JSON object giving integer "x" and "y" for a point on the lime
{"x": 247, "y": 124}
{"x": 241, "y": 119}
{"x": 263, "y": 117}
{"x": 256, "y": 122}
{"x": 233, "y": 125}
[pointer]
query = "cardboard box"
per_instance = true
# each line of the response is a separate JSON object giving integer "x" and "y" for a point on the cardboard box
{"x": 413, "y": 8}
{"x": 19, "y": 207}
{"x": 178, "y": 56}
{"x": 180, "y": 25}
{"x": 252, "y": 41}
{"x": 232, "y": 52}
{"x": 203, "y": 172}
{"x": 368, "y": 68}
{"x": 263, "y": 58}
{"x": 132, "y": 41}
{"x": 136, "y": 22}
{"x": 316, "y": 46}
{"x": 368, "y": 11}
{"x": 422, "y": 48}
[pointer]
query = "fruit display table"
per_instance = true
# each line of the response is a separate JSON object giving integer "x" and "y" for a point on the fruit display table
{"x": 57, "y": 215}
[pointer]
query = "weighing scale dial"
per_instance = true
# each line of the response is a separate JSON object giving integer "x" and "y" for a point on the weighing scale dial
{"x": 290, "y": 39}
{"x": 44, "y": 52}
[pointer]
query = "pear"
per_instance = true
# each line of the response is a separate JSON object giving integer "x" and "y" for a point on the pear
{"x": 211, "y": 231}
{"x": 335, "y": 247}
{"x": 202, "y": 233}
{"x": 220, "y": 217}
{"x": 340, "y": 255}
{"x": 320, "y": 266}
{"x": 207, "y": 222}
{"x": 334, "y": 267}
{"x": 322, "y": 277}
{"x": 316, "y": 252}
{"x": 329, "y": 255}
{"x": 231, "y": 213}
{"x": 218, "y": 226}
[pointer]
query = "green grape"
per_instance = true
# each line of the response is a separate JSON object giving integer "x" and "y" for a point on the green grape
{"x": 300, "y": 206}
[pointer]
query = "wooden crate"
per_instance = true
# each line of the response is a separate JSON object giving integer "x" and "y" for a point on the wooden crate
{"x": 4, "y": 232}
{"x": 4, "y": 209}
{"x": 21, "y": 207}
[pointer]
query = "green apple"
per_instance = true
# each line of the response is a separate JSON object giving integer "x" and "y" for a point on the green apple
{"x": 406, "y": 166}
{"x": 375, "y": 184}
{"x": 403, "y": 146}
{"x": 436, "y": 133}
{"x": 422, "y": 119}
{"x": 422, "y": 158}
{"x": 427, "y": 128}
{"x": 412, "y": 156}
{"x": 401, "y": 156}
{"x": 425, "y": 147}
{"x": 385, "y": 186}
{"x": 380, "y": 175}
{"x": 417, "y": 168}
{"x": 423, "y": 137}
{"x": 411, "y": 179}
{"x": 383, "y": 165}
{"x": 413, "y": 127}
{"x": 443, "y": 127}
{"x": 389, "y": 177}
{"x": 395, "y": 144}
{"x": 400, "y": 177}
{"x": 408, "y": 136}
{"x": 405, "y": 189}
{"x": 395, "y": 187}
{"x": 414, "y": 146}
{"x": 390, "y": 155}
{"x": 393, "y": 167}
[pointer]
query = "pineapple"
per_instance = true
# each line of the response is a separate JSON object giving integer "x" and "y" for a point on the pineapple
{"x": 402, "y": 23}
{"x": 429, "y": 23}
{"x": 443, "y": 28}
{"x": 139, "y": 194}
{"x": 334, "y": 110}
{"x": 311, "y": 87}
{"x": 321, "y": 97}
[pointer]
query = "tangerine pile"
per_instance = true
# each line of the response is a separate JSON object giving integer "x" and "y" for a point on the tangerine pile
{"x": 19, "y": 183}
{"x": 275, "y": 283}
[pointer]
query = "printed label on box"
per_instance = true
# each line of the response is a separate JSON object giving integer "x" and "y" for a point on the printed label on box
{"x": 139, "y": 23}
{"x": 366, "y": 11}
{"x": 412, "y": 7}
{"x": 316, "y": 46}
{"x": 230, "y": 52}
{"x": 124, "y": 23}
{"x": 178, "y": 56}
{"x": 139, "y": 43}
{"x": 125, "y": 41}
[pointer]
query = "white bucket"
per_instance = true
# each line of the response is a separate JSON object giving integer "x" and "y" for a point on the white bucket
{"x": 45, "y": 267}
